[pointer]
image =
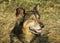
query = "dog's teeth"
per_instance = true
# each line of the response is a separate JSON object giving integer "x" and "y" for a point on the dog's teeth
{"x": 39, "y": 31}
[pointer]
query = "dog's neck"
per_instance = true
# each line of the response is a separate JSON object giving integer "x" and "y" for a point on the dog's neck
{"x": 28, "y": 36}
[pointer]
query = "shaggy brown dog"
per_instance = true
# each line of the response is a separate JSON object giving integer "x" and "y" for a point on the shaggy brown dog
{"x": 29, "y": 27}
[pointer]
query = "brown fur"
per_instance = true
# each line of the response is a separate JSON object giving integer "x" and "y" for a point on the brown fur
{"x": 21, "y": 32}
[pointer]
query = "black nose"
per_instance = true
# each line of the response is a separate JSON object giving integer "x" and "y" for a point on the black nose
{"x": 41, "y": 25}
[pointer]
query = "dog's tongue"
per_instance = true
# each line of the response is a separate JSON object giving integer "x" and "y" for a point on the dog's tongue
{"x": 36, "y": 31}
{"x": 39, "y": 31}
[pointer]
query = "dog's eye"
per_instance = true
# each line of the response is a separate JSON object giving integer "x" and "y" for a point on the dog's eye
{"x": 32, "y": 18}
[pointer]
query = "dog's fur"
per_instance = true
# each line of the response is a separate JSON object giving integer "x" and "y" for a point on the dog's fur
{"x": 27, "y": 30}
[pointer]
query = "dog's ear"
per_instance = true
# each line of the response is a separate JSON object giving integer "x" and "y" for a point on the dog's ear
{"x": 20, "y": 12}
{"x": 37, "y": 7}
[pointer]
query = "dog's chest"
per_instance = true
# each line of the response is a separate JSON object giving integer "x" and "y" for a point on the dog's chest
{"x": 28, "y": 38}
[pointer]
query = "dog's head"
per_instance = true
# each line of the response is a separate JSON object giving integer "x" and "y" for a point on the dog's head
{"x": 32, "y": 22}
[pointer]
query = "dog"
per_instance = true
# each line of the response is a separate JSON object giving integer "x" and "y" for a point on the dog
{"x": 28, "y": 28}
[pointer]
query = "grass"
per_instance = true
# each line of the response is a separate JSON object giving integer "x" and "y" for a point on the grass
{"x": 50, "y": 16}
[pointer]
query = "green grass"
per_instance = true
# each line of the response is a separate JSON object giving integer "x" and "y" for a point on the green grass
{"x": 50, "y": 16}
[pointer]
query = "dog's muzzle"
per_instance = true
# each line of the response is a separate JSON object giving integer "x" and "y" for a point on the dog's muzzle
{"x": 35, "y": 30}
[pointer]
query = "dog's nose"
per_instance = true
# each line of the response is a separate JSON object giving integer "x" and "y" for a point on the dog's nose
{"x": 41, "y": 25}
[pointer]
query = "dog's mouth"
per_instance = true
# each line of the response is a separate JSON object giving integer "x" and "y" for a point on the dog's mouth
{"x": 35, "y": 31}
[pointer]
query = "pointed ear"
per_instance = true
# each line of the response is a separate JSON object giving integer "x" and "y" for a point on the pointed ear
{"x": 37, "y": 7}
{"x": 20, "y": 11}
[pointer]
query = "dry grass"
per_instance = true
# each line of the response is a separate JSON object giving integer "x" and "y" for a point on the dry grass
{"x": 50, "y": 16}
